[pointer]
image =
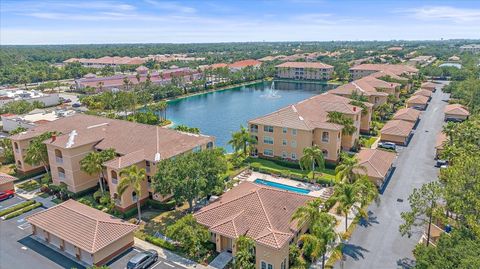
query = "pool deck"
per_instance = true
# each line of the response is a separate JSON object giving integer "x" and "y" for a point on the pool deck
{"x": 315, "y": 190}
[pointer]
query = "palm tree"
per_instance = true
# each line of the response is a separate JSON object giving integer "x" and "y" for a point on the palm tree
{"x": 245, "y": 254}
{"x": 133, "y": 177}
{"x": 36, "y": 153}
{"x": 311, "y": 247}
{"x": 348, "y": 169}
{"x": 449, "y": 129}
{"x": 346, "y": 195}
{"x": 325, "y": 232}
{"x": 93, "y": 164}
{"x": 367, "y": 191}
{"x": 338, "y": 118}
{"x": 311, "y": 156}
{"x": 242, "y": 140}
{"x": 310, "y": 212}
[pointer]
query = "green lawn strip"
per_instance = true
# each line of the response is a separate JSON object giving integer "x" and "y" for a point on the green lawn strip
{"x": 16, "y": 207}
{"x": 370, "y": 141}
{"x": 57, "y": 200}
{"x": 29, "y": 185}
{"x": 44, "y": 195}
{"x": 23, "y": 210}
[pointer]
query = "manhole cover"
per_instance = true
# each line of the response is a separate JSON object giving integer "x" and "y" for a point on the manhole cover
{"x": 400, "y": 200}
{"x": 426, "y": 131}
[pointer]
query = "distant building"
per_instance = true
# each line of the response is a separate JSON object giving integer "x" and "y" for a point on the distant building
{"x": 107, "y": 61}
{"x": 36, "y": 117}
{"x": 456, "y": 112}
{"x": 422, "y": 60}
{"x": 363, "y": 70}
{"x": 304, "y": 71}
{"x": 397, "y": 131}
{"x": 10, "y": 95}
{"x": 244, "y": 63}
{"x": 473, "y": 48}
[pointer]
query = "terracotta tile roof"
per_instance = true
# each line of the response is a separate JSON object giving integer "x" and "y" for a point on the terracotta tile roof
{"x": 304, "y": 65}
{"x": 418, "y": 99}
{"x": 386, "y": 73}
{"x": 397, "y": 69}
{"x": 109, "y": 60}
{"x": 81, "y": 225}
{"x": 367, "y": 86}
{"x": 310, "y": 114}
{"x": 423, "y": 92}
{"x": 377, "y": 162}
{"x": 6, "y": 178}
{"x": 456, "y": 109}
{"x": 441, "y": 140}
{"x": 124, "y": 136}
{"x": 258, "y": 211}
{"x": 407, "y": 114}
{"x": 397, "y": 127}
{"x": 218, "y": 65}
{"x": 428, "y": 85}
{"x": 245, "y": 63}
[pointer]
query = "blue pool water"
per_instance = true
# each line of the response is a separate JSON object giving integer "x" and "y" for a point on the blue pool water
{"x": 281, "y": 186}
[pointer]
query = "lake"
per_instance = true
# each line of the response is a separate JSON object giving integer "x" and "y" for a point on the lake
{"x": 222, "y": 112}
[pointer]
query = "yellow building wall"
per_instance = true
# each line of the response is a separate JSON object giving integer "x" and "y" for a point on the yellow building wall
{"x": 19, "y": 155}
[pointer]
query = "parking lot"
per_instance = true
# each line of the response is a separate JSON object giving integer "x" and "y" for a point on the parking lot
{"x": 19, "y": 250}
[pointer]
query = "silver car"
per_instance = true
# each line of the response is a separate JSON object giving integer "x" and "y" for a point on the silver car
{"x": 143, "y": 260}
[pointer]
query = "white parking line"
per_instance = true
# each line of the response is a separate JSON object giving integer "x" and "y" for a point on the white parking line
{"x": 137, "y": 250}
{"x": 169, "y": 264}
{"x": 24, "y": 226}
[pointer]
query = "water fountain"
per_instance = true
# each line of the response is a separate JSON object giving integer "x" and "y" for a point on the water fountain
{"x": 271, "y": 92}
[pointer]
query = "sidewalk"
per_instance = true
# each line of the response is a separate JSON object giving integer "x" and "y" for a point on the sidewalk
{"x": 166, "y": 254}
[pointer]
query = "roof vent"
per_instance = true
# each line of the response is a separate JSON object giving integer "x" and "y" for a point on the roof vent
{"x": 71, "y": 139}
{"x": 97, "y": 125}
{"x": 157, "y": 157}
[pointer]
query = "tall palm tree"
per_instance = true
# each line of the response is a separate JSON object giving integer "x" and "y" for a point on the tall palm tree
{"x": 311, "y": 246}
{"x": 338, "y": 118}
{"x": 311, "y": 156}
{"x": 36, "y": 153}
{"x": 93, "y": 162}
{"x": 324, "y": 230}
{"x": 348, "y": 169}
{"x": 242, "y": 140}
{"x": 367, "y": 191}
{"x": 309, "y": 213}
{"x": 245, "y": 254}
{"x": 346, "y": 195}
{"x": 132, "y": 177}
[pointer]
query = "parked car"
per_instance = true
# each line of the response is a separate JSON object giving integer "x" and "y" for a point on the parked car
{"x": 67, "y": 101}
{"x": 454, "y": 120}
{"x": 441, "y": 163}
{"x": 76, "y": 105}
{"x": 4, "y": 195}
{"x": 143, "y": 260}
{"x": 387, "y": 145}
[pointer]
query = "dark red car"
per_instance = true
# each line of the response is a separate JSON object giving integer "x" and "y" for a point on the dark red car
{"x": 6, "y": 194}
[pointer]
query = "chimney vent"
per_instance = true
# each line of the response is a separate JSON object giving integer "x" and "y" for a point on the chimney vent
{"x": 54, "y": 137}
{"x": 354, "y": 108}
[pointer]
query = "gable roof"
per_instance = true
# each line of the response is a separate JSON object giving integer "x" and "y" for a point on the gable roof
{"x": 377, "y": 162}
{"x": 407, "y": 114}
{"x": 85, "y": 227}
{"x": 397, "y": 69}
{"x": 428, "y": 85}
{"x": 367, "y": 86}
{"x": 418, "y": 99}
{"x": 441, "y": 140}
{"x": 397, "y": 127}
{"x": 456, "y": 109}
{"x": 304, "y": 65}
{"x": 245, "y": 63}
{"x": 258, "y": 211}
{"x": 423, "y": 92}
{"x": 6, "y": 178}
{"x": 387, "y": 73}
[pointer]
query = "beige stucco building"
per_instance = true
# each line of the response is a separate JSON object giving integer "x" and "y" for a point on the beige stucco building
{"x": 363, "y": 70}
{"x": 397, "y": 131}
{"x": 377, "y": 163}
{"x": 456, "y": 112}
{"x": 417, "y": 101}
{"x": 286, "y": 132}
{"x": 259, "y": 212}
{"x": 6, "y": 182}
{"x": 134, "y": 144}
{"x": 304, "y": 71}
{"x": 84, "y": 234}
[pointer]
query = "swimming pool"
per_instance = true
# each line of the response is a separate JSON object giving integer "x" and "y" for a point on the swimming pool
{"x": 281, "y": 186}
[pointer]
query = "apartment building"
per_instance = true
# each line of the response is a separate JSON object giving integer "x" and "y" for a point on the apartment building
{"x": 10, "y": 95}
{"x": 239, "y": 65}
{"x": 34, "y": 118}
{"x": 473, "y": 48}
{"x": 304, "y": 71}
{"x": 107, "y": 61}
{"x": 375, "y": 90}
{"x": 259, "y": 212}
{"x": 286, "y": 132}
{"x": 364, "y": 70}
{"x": 135, "y": 144}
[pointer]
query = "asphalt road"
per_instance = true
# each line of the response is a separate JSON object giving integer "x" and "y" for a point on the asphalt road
{"x": 121, "y": 261}
{"x": 377, "y": 242}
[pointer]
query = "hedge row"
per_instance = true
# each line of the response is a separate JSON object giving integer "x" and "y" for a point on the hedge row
{"x": 16, "y": 207}
{"x": 167, "y": 206}
{"x": 159, "y": 242}
{"x": 23, "y": 210}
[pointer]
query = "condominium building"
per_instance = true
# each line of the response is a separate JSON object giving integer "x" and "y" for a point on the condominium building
{"x": 236, "y": 66}
{"x": 473, "y": 48}
{"x": 375, "y": 90}
{"x": 10, "y": 95}
{"x": 259, "y": 212}
{"x": 286, "y": 132}
{"x": 363, "y": 70}
{"x": 304, "y": 71}
{"x": 134, "y": 143}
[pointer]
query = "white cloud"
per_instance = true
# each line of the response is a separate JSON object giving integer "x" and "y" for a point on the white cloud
{"x": 444, "y": 13}
{"x": 171, "y": 6}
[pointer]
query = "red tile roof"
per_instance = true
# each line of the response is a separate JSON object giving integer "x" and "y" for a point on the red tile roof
{"x": 304, "y": 65}
{"x": 397, "y": 127}
{"x": 397, "y": 69}
{"x": 441, "y": 140}
{"x": 260, "y": 212}
{"x": 245, "y": 63}
{"x": 423, "y": 92}
{"x": 407, "y": 114}
{"x": 368, "y": 86}
{"x": 456, "y": 109}
{"x": 377, "y": 162}
{"x": 6, "y": 178}
{"x": 418, "y": 99}
{"x": 81, "y": 225}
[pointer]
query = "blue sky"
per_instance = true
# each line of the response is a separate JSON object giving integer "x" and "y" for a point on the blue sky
{"x": 157, "y": 21}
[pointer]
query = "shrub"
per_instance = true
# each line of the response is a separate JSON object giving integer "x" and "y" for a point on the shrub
{"x": 105, "y": 199}
{"x": 46, "y": 179}
{"x": 85, "y": 201}
{"x": 169, "y": 205}
{"x": 16, "y": 207}
{"x": 23, "y": 210}
{"x": 97, "y": 195}
{"x": 159, "y": 242}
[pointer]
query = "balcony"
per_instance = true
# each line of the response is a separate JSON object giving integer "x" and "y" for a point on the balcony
{"x": 118, "y": 202}
{"x": 59, "y": 160}
{"x": 114, "y": 181}
{"x": 147, "y": 169}
{"x": 61, "y": 175}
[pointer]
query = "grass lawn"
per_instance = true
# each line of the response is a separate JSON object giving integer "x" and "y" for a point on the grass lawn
{"x": 327, "y": 175}
{"x": 29, "y": 185}
{"x": 7, "y": 169}
{"x": 44, "y": 195}
{"x": 370, "y": 141}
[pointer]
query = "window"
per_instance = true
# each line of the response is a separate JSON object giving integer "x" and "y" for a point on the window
{"x": 357, "y": 117}
{"x": 61, "y": 173}
{"x": 270, "y": 266}
{"x": 268, "y": 152}
{"x": 282, "y": 265}
{"x": 294, "y": 131}
{"x": 58, "y": 156}
{"x": 268, "y": 129}
{"x": 294, "y": 156}
{"x": 209, "y": 145}
{"x": 254, "y": 128}
{"x": 338, "y": 135}
{"x": 325, "y": 136}
{"x": 16, "y": 146}
{"x": 114, "y": 177}
{"x": 325, "y": 153}
{"x": 284, "y": 142}
{"x": 264, "y": 265}
{"x": 197, "y": 149}
{"x": 294, "y": 144}
{"x": 134, "y": 197}
{"x": 284, "y": 154}
{"x": 268, "y": 140}
{"x": 284, "y": 130}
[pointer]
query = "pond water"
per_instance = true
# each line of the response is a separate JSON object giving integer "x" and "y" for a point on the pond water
{"x": 222, "y": 112}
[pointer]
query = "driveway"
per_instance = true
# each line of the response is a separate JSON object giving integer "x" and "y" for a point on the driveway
{"x": 377, "y": 243}
{"x": 121, "y": 261}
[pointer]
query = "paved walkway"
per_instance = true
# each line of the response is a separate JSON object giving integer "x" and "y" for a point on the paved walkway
{"x": 377, "y": 243}
{"x": 221, "y": 260}
{"x": 170, "y": 256}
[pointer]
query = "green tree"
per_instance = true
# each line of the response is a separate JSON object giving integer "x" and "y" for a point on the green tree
{"x": 191, "y": 176}
{"x": 93, "y": 162}
{"x": 7, "y": 152}
{"x": 349, "y": 169}
{"x": 347, "y": 197}
{"x": 36, "y": 153}
{"x": 347, "y": 123}
{"x": 423, "y": 203}
{"x": 189, "y": 234}
{"x": 324, "y": 230}
{"x": 245, "y": 254}
{"x": 309, "y": 213}
{"x": 311, "y": 246}
{"x": 311, "y": 156}
{"x": 185, "y": 128}
{"x": 132, "y": 178}
{"x": 242, "y": 140}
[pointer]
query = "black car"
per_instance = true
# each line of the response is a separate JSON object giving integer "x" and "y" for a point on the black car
{"x": 143, "y": 260}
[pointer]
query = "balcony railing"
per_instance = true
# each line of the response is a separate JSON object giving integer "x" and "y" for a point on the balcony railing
{"x": 59, "y": 159}
{"x": 61, "y": 175}
{"x": 114, "y": 181}
{"x": 118, "y": 202}
{"x": 147, "y": 169}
